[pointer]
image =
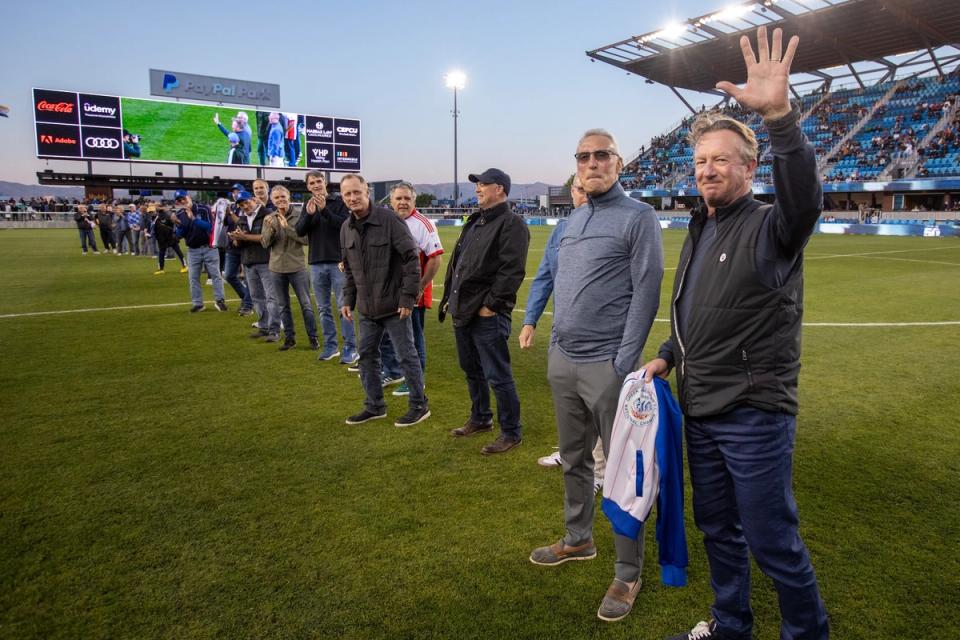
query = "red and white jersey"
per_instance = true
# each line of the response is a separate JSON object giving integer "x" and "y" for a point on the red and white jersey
{"x": 427, "y": 240}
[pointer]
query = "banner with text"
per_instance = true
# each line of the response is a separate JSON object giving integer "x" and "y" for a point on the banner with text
{"x": 89, "y": 126}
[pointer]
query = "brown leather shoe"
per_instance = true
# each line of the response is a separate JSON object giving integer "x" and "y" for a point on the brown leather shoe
{"x": 618, "y": 601}
{"x": 501, "y": 445}
{"x": 470, "y": 428}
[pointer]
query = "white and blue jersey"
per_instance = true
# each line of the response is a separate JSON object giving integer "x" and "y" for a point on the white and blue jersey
{"x": 645, "y": 466}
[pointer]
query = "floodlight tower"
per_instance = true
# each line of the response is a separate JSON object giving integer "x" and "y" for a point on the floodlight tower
{"x": 455, "y": 80}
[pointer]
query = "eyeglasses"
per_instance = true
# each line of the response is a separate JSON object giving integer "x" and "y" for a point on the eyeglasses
{"x": 602, "y": 156}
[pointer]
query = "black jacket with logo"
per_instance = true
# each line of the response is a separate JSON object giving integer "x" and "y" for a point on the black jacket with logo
{"x": 740, "y": 344}
{"x": 488, "y": 265}
{"x": 381, "y": 264}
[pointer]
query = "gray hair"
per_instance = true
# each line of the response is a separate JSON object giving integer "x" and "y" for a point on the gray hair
{"x": 403, "y": 184}
{"x": 353, "y": 176}
{"x": 601, "y": 132}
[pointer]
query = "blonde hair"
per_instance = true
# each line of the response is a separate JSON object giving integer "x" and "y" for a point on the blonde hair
{"x": 712, "y": 121}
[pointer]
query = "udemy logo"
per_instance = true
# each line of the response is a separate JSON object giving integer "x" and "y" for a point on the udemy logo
{"x": 96, "y": 109}
{"x": 170, "y": 82}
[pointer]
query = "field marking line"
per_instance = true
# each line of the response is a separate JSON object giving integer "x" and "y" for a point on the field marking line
{"x": 942, "y": 323}
{"x": 949, "y": 264}
{"x": 95, "y": 309}
{"x": 873, "y": 253}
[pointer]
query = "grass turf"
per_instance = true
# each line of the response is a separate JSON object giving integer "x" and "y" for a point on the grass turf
{"x": 163, "y": 476}
{"x": 175, "y": 132}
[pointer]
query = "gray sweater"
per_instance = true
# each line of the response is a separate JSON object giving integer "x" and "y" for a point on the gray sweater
{"x": 607, "y": 287}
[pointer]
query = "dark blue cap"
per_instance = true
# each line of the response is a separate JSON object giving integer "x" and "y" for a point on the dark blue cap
{"x": 244, "y": 195}
{"x": 179, "y": 193}
{"x": 238, "y": 187}
{"x": 492, "y": 176}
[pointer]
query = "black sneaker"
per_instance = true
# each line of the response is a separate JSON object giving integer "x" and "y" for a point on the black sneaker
{"x": 288, "y": 344}
{"x": 196, "y": 307}
{"x": 221, "y": 305}
{"x": 272, "y": 337}
{"x": 259, "y": 333}
{"x": 365, "y": 416}
{"x": 245, "y": 312}
{"x": 703, "y": 631}
{"x": 412, "y": 417}
{"x": 314, "y": 343}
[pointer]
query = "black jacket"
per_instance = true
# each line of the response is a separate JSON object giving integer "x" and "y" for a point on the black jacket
{"x": 323, "y": 230}
{"x": 488, "y": 265}
{"x": 252, "y": 253}
{"x": 381, "y": 264}
{"x": 164, "y": 231}
{"x": 741, "y": 342}
{"x": 84, "y": 220}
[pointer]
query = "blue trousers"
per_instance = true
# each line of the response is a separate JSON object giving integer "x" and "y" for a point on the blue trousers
{"x": 741, "y": 468}
{"x": 231, "y": 273}
{"x": 204, "y": 259}
{"x": 86, "y": 237}
{"x": 371, "y": 333}
{"x": 327, "y": 280}
{"x": 301, "y": 288}
{"x": 391, "y": 367}
{"x": 485, "y": 359}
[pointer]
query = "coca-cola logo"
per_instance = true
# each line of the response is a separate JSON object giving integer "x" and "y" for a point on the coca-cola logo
{"x": 58, "y": 107}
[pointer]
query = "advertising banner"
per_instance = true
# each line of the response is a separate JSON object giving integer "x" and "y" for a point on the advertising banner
{"x": 99, "y": 127}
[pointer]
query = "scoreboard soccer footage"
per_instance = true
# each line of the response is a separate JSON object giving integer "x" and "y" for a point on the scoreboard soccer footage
{"x": 89, "y": 126}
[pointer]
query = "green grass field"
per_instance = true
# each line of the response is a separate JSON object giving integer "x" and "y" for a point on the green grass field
{"x": 180, "y": 132}
{"x": 163, "y": 476}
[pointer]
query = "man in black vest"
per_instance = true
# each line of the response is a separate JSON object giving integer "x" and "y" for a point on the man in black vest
{"x": 735, "y": 341}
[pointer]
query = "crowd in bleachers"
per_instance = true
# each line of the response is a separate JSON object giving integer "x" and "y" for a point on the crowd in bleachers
{"x": 895, "y": 135}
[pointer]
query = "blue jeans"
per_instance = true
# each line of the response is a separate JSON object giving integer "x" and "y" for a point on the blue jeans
{"x": 263, "y": 296}
{"x": 401, "y": 334}
{"x": 417, "y": 319}
{"x": 231, "y": 273}
{"x": 199, "y": 258}
{"x": 301, "y": 288}
{"x": 391, "y": 368}
{"x": 741, "y": 466}
{"x": 327, "y": 279}
{"x": 86, "y": 237}
{"x": 485, "y": 359}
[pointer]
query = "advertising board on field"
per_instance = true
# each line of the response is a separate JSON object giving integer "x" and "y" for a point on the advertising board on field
{"x": 91, "y": 126}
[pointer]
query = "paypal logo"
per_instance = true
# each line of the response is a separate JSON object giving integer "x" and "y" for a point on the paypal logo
{"x": 170, "y": 82}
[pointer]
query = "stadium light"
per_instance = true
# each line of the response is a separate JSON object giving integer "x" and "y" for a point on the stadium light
{"x": 671, "y": 32}
{"x": 455, "y": 80}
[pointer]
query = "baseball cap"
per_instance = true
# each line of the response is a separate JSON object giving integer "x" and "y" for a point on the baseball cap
{"x": 492, "y": 176}
{"x": 244, "y": 195}
{"x": 237, "y": 186}
{"x": 233, "y": 138}
{"x": 179, "y": 193}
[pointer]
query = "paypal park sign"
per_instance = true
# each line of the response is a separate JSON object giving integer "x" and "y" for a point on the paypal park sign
{"x": 173, "y": 84}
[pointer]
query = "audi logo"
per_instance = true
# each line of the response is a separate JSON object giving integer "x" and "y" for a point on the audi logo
{"x": 102, "y": 143}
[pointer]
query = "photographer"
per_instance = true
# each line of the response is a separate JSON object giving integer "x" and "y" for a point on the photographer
{"x": 131, "y": 144}
{"x": 85, "y": 225}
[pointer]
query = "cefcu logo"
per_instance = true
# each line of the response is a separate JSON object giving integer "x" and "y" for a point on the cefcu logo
{"x": 170, "y": 82}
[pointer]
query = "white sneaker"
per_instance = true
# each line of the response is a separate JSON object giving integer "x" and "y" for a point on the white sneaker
{"x": 552, "y": 460}
{"x": 209, "y": 281}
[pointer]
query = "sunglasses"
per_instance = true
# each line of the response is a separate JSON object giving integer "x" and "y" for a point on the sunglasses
{"x": 602, "y": 156}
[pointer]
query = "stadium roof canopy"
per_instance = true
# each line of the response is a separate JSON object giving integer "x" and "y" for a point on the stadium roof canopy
{"x": 868, "y": 41}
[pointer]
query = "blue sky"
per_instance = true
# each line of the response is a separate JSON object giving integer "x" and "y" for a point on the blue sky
{"x": 530, "y": 90}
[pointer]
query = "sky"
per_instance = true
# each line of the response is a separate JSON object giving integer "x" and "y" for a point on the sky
{"x": 530, "y": 92}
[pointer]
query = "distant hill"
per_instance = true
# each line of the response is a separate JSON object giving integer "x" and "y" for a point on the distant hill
{"x": 467, "y": 189}
{"x": 18, "y": 190}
